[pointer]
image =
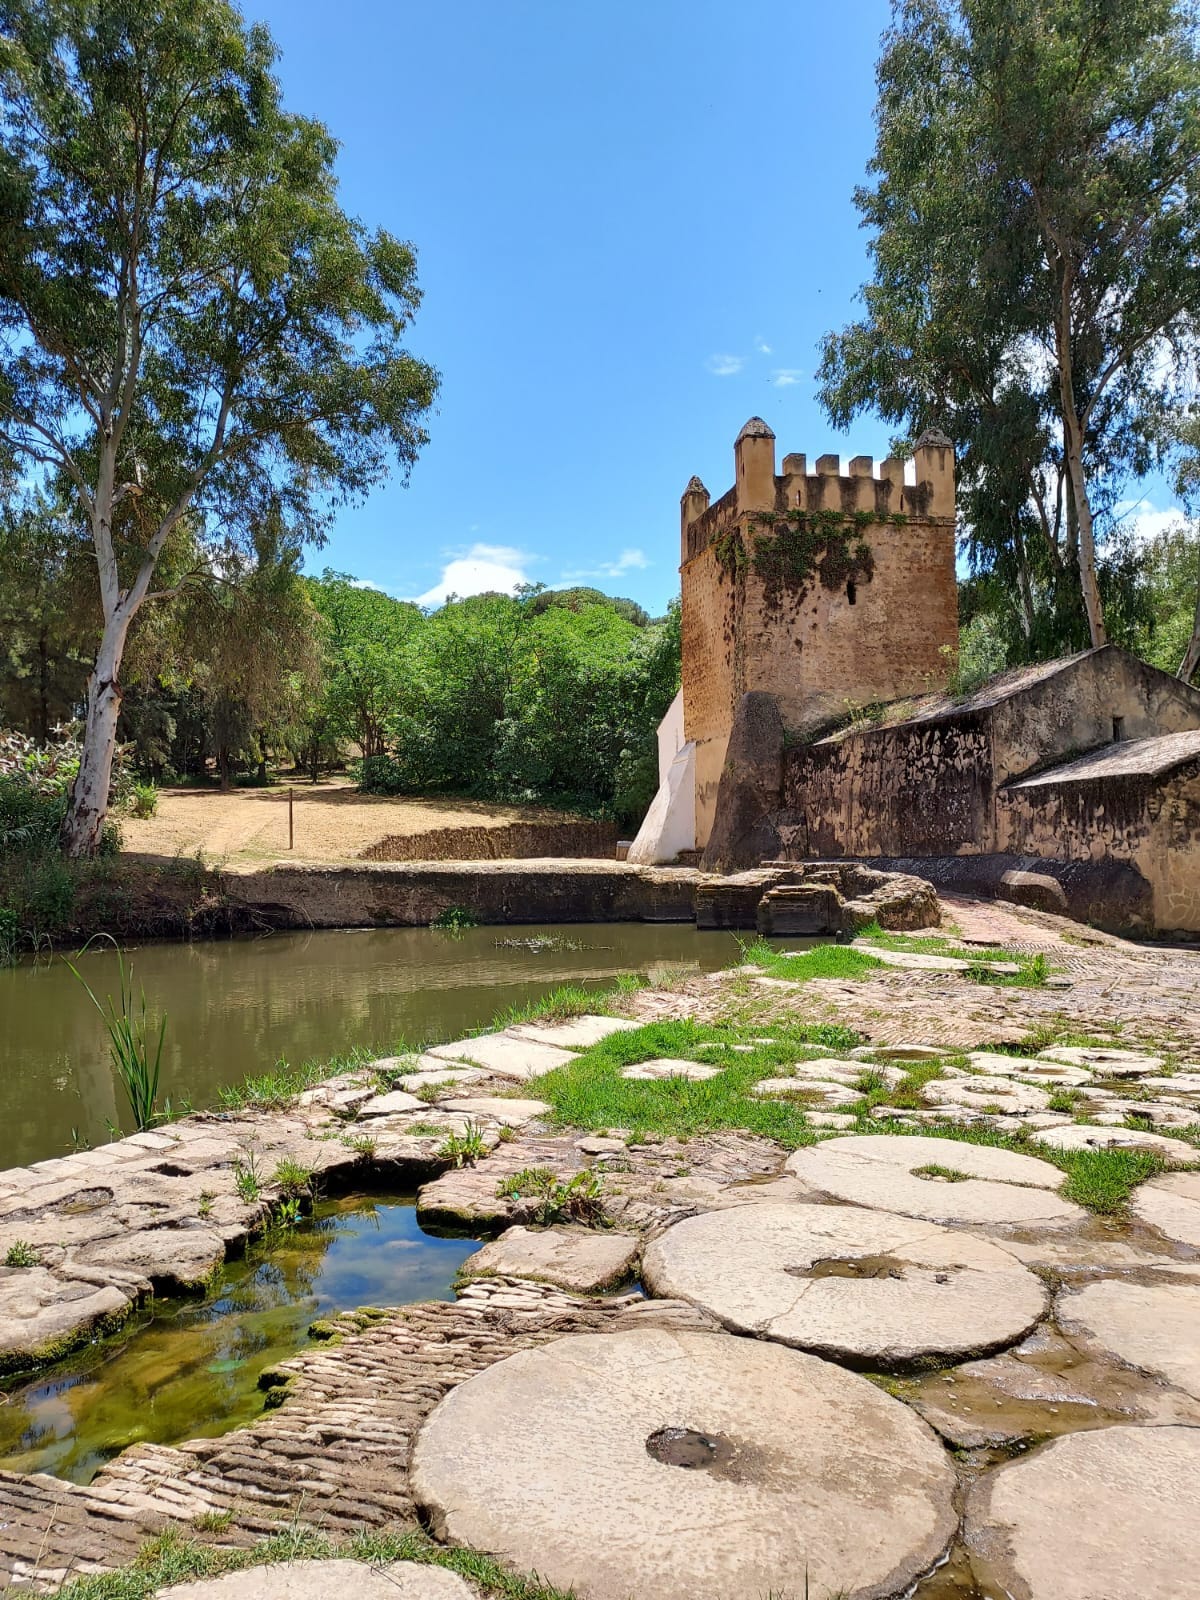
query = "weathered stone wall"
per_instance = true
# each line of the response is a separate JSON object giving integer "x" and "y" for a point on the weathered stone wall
{"x": 413, "y": 894}
{"x": 1091, "y": 699}
{"x": 822, "y": 589}
{"x": 917, "y": 789}
{"x": 1150, "y": 822}
{"x": 509, "y": 841}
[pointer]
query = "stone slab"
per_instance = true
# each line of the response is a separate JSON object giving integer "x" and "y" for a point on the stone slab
{"x": 1031, "y": 1068}
{"x": 328, "y": 1580}
{"x": 687, "y": 1466}
{"x": 1086, "y": 1136}
{"x": 1108, "y": 1061}
{"x": 806, "y": 1089}
{"x": 580, "y": 1259}
{"x": 430, "y": 1070}
{"x": 579, "y": 1033}
{"x": 390, "y": 1105}
{"x": 1172, "y": 1205}
{"x": 693, "y": 1071}
{"x": 505, "y": 1054}
{"x": 848, "y": 1284}
{"x": 880, "y": 1171}
{"x": 1105, "y": 1515}
{"x": 1152, "y": 1326}
{"x": 512, "y": 1113}
{"x": 1004, "y": 1096}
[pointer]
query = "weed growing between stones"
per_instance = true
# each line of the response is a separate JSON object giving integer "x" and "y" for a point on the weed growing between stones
{"x": 591, "y": 1094}
{"x": 579, "y": 1199}
{"x": 246, "y": 1179}
{"x": 933, "y": 1169}
{"x": 175, "y": 1557}
{"x": 277, "y": 1089}
{"x": 293, "y": 1179}
{"x": 20, "y": 1254}
{"x": 463, "y": 1149}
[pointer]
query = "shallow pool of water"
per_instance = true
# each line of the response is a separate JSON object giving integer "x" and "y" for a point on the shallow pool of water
{"x": 190, "y": 1369}
{"x": 236, "y": 1007}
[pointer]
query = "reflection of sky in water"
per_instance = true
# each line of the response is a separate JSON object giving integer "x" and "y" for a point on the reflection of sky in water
{"x": 192, "y": 1369}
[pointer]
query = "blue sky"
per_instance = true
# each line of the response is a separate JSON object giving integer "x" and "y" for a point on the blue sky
{"x": 634, "y": 223}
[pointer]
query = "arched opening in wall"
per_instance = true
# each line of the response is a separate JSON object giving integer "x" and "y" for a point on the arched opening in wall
{"x": 852, "y": 592}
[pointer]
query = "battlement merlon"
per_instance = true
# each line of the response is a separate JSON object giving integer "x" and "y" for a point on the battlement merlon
{"x": 757, "y": 486}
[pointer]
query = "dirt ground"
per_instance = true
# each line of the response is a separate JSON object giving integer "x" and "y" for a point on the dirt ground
{"x": 333, "y": 822}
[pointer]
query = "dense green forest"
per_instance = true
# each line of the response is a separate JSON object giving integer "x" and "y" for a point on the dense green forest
{"x": 549, "y": 696}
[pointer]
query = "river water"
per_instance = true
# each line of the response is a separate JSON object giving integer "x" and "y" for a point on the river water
{"x": 235, "y": 1008}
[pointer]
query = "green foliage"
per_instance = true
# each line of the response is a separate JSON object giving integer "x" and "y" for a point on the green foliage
{"x": 136, "y": 1055}
{"x": 591, "y": 1093}
{"x": 10, "y": 936}
{"x": 453, "y": 918}
{"x": 198, "y": 349}
{"x": 799, "y": 546}
{"x": 20, "y": 1254}
{"x": 579, "y": 1199}
{"x": 145, "y": 800}
{"x": 292, "y": 1178}
{"x": 822, "y": 961}
{"x": 246, "y": 1178}
{"x": 1034, "y": 202}
{"x": 512, "y": 699}
{"x": 463, "y": 1149}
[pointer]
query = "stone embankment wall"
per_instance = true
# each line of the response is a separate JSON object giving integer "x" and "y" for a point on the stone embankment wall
{"x": 512, "y": 841}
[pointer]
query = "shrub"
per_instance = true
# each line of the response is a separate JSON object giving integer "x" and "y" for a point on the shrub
{"x": 145, "y": 801}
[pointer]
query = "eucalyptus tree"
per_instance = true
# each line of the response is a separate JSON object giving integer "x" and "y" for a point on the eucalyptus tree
{"x": 190, "y": 324}
{"x": 1035, "y": 208}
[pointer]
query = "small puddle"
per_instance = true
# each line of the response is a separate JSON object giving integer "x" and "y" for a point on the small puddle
{"x": 187, "y": 1369}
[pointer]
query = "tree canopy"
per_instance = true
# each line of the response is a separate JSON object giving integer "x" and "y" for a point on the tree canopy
{"x": 191, "y": 328}
{"x": 1035, "y": 219}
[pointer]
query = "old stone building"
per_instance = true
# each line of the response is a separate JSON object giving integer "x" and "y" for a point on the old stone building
{"x": 814, "y": 723}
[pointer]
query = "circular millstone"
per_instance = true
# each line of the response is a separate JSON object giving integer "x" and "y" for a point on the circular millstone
{"x": 1105, "y": 1515}
{"x": 688, "y": 1466}
{"x": 1172, "y": 1205}
{"x": 1150, "y": 1326}
{"x": 856, "y": 1285}
{"x": 946, "y": 1180}
{"x": 319, "y": 1580}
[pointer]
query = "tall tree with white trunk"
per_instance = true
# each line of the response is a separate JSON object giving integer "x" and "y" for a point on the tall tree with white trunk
{"x": 190, "y": 325}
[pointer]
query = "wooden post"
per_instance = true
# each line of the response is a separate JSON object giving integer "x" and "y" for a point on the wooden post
{"x": 291, "y": 821}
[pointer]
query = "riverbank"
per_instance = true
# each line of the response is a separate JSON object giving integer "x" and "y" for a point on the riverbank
{"x": 1040, "y": 1137}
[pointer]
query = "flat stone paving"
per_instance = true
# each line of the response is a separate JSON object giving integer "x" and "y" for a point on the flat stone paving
{"x": 854, "y": 1285}
{"x": 161, "y": 1210}
{"x": 685, "y": 1465}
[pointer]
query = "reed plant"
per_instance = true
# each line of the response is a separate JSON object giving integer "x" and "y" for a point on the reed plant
{"x": 135, "y": 1051}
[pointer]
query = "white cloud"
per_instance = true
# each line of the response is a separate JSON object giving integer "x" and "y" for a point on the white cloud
{"x": 785, "y": 377}
{"x": 627, "y": 561}
{"x": 484, "y": 568}
{"x": 761, "y": 345}
{"x": 365, "y": 583}
{"x": 724, "y": 366}
{"x": 1146, "y": 522}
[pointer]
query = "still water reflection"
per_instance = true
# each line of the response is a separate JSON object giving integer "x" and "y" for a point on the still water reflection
{"x": 235, "y": 1008}
{"x": 190, "y": 1369}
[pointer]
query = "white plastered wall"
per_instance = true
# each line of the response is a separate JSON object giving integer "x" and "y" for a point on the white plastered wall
{"x": 670, "y": 824}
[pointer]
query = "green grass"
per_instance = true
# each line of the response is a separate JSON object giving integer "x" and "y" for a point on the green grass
{"x": 571, "y": 1000}
{"x": 591, "y": 1094}
{"x": 274, "y": 1090}
{"x": 177, "y": 1558}
{"x": 822, "y": 961}
{"x": 1034, "y": 968}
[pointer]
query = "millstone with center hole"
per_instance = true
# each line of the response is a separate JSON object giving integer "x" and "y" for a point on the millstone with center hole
{"x": 1105, "y": 1515}
{"x": 687, "y": 1466}
{"x": 857, "y": 1285}
{"x": 945, "y": 1180}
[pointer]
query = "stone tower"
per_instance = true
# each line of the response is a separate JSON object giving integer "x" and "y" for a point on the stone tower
{"x": 828, "y": 592}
